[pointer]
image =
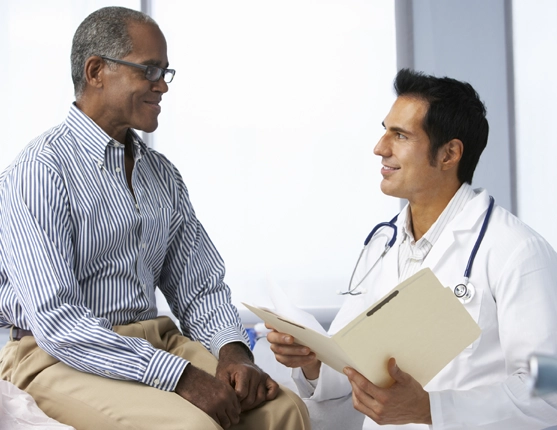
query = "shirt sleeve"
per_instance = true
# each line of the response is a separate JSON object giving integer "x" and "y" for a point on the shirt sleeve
{"x": 526, "y": 299}
{"x": 192, "y": 280}
{"x": 39, "y": 257}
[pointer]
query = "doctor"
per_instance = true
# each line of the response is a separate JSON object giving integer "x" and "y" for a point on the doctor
{"x": 434, "y": 135}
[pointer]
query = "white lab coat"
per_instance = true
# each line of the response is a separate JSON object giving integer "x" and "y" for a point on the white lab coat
{"x": 515, "y": 276}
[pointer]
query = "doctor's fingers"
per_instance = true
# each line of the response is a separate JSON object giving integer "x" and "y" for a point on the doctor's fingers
{"x": 362, "y": 386}
{"x": 365, "y": 404}
{"x": 277, "y": 338}
{"x": 363, "y": 400}
{"x": 292, "y": 357}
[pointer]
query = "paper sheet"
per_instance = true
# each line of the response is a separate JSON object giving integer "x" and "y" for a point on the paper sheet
{"x": 286, "y": 309}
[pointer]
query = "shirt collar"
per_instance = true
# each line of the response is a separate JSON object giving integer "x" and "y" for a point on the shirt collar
{"x": 95, "y": 138}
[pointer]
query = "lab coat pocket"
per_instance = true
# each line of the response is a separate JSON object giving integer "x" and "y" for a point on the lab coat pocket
{"x": 474, "y": 307}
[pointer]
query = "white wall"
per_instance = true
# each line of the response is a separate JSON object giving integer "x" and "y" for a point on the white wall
{"x": 535, "y": 54}
{"x": 272, "y": 119}
{"x": 35, "y": 44}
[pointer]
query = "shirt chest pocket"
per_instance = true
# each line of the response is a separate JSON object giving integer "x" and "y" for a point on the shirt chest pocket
{"x": 158, "y": 231}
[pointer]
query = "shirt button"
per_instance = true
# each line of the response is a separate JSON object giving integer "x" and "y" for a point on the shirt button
{"x": 116, "y": 144}
{"x": 156, "y": 381}
{"x": 144, "y": 245}
{"x": 137, "y": 206}
{"x": 118, "y": 170}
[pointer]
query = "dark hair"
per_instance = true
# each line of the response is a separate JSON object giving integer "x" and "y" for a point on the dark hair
{"x": 104, "y": 32}
{"x": 455, "y": 112}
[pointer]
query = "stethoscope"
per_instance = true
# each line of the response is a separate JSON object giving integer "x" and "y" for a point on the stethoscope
{"x": 464, "y": 291}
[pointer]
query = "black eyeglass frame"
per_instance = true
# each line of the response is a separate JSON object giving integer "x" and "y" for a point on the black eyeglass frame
{"x": 150, "y": 71}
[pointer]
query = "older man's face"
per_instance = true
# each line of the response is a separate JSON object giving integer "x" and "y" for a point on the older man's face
{"x": 129, "y": 99}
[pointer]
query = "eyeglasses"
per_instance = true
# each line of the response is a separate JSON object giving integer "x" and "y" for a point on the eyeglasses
{"x": 152, "y": 73}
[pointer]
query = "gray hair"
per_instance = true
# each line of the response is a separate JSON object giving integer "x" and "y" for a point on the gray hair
{"x": 104, "y": 32}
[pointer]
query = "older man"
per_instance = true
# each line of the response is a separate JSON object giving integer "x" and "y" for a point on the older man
{"x": 92, "y": 221}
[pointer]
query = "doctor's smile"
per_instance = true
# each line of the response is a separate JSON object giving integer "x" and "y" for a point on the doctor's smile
{"x": 385, "y": 170}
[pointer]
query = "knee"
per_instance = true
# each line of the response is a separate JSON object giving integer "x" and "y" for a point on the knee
{"x": 291, "y": 410}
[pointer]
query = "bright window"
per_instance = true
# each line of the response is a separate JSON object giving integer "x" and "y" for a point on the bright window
{"x": 272, "y": 119}
{"x": 35, "y": 44}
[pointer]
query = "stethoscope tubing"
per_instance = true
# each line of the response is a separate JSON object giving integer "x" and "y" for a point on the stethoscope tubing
{"x": 391, "y": 224}
{"x": 468, "y": 270}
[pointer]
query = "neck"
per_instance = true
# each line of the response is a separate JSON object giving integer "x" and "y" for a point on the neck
{"x": 425, "y": 213}
{"x": 99, "y": 115}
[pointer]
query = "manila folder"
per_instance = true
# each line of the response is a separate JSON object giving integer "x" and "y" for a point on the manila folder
{"x": 420, "y": 323}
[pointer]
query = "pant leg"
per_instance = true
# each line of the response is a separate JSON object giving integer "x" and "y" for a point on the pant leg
{"x": 88, "y": 401}
{"x": 286, "y": 412}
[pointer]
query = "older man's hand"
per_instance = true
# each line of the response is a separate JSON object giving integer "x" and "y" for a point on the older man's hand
{"x": 251, "y": 384}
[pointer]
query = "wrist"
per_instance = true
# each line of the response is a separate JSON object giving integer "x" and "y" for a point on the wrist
{"x": 311, "y": 371}
{"x": 187, "y": 375}
{"x": 236, "y": 351}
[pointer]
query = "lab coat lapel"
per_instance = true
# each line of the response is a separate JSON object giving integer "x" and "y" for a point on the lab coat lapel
{"x": 466, "y": 220}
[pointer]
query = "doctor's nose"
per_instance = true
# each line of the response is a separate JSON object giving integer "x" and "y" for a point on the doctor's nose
{"x": 382, "y": 148}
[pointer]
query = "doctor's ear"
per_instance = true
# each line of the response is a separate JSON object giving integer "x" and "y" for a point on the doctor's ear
{"x": 450, "y": 154}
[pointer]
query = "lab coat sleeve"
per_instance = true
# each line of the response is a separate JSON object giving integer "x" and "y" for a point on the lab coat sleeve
{"x": 526, "y": 296}
{"x": 305, "y": 389}
{"x": 330, "y": 385}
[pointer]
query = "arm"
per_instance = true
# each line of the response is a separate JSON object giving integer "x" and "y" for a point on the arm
{"x": 526, "y": 297}
{"x": 192, "y": 281}
{"x": 192, "y": 278}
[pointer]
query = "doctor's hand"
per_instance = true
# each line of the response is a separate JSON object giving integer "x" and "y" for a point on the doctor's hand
{"x": 403, "y": 402}
{"x": 293, "y": 355}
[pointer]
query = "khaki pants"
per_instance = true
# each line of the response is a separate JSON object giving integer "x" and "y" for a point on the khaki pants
{"x": 90, "y": 402}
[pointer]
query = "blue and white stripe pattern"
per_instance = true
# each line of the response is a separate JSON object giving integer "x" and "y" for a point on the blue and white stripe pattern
{"x": 79, "y": 253}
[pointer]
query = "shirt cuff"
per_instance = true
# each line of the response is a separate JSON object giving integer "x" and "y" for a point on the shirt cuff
{"x": 437, "y": 421}
{"x": 164, "y": 370}
{"x": 306, "y": 388}
{"x": 229, "y": 335}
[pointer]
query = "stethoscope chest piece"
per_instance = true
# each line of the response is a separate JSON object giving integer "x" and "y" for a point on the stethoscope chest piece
{"x": 465, "y": 292}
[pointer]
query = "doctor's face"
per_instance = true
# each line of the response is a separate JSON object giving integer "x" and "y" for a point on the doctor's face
{"x": 407, "y": 169}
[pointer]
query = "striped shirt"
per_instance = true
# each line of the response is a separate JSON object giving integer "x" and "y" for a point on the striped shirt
{"x": 79, "y": 253}
{"x": 412, "y": 253}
